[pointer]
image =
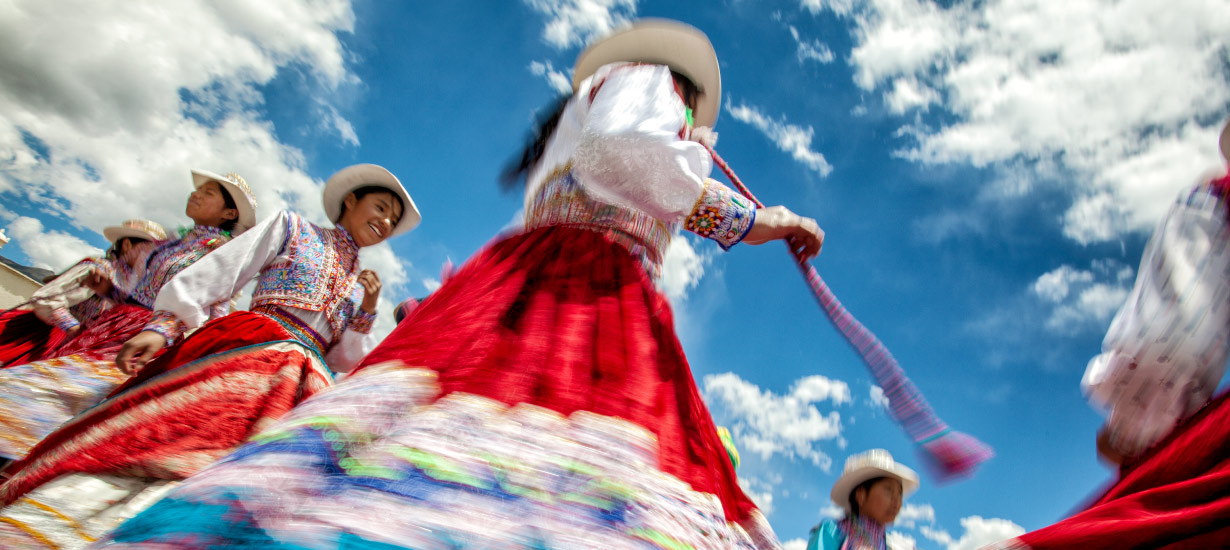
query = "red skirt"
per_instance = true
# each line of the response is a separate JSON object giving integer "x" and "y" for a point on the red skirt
{"x": 25, "y": 338}
{"x": 565, "y": 319}
{"x": 1175, "y": 496}
{"x": 186, "y": 409}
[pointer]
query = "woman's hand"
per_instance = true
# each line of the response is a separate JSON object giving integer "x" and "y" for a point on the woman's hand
{"x": 97, "y": 282}
{"x": 139, "y": 350}
{"x": 371, "y": 290}
{"x": 777, "y": 222}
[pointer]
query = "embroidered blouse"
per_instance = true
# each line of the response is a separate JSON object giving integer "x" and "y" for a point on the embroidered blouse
{"x": 66, "y": 303}
{"x": 618, "y": 162}
{"x": 170, "y": 257}
{"x": 1166, "y": 349}
{"x": 302, "y": 270}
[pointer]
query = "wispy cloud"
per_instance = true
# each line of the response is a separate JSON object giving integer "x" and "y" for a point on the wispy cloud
{"x": 1079, "y": 297}
{"x": 682, "y": 268}
{"x": 558, "y": 80}
{"x": 978, "y": 532}
{"x": 1057, "y": 82}
{"x": 795, "y": 140}
{"x": 769, "y": 424}
{"x": 810, "y": 50}
{"x": 54, "y": 250}
{"x": 576, "y": 22}
{"x": 877, "y": 397}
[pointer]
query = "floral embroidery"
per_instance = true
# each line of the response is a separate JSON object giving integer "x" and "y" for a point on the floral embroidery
{"x": 362, "y": 321}
{"x": 317, "y": 270}
{"x": 721, "y": 215}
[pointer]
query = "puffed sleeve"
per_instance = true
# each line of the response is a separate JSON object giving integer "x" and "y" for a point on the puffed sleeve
{"x": 51, "y": 302}
{"x": 189, "y": 298}
{"x": 1166, "y": 349}
{"x": 630, "y": 152}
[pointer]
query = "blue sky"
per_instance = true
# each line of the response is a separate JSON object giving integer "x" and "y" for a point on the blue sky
{"x": 987, "y": 174}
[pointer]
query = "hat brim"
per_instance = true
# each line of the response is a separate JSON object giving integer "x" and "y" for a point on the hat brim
{"x": 247, "y": 212}
{"x": 849, "y": 480}
{"x": 1225, "y": 142}
{"x": 115, "y": 233}
{"x": 351, "y": 178}
{"x": 683, "y": 48}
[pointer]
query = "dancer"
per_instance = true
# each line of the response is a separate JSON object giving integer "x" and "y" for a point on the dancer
{"x": 61, "y": 307}
{"x": 1163, "y": 357}
{"x": 37, "y": 397}
{"x": 870, "y": 490}
{"x": 206, "y": 394}
{"x": 539, "y": 398}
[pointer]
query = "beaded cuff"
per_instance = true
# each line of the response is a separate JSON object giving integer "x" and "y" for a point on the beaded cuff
{"x": 64, "y": 320}
{"x": 362, "y": 321}
{"x": 166, "y": 324}
{"x": 721, "y": 215}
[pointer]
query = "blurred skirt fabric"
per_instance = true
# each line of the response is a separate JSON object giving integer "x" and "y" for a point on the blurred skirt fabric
{"x": 38, "y": 396}
{"x": 539, "y": 399}
{"x": 24, "y": 337}
{"x": 189, "y": 407}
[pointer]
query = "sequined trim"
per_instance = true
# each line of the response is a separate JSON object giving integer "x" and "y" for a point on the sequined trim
{"x": 295, "y": 326}
{"x": 560, "y": 201}
{"x": 721, "y": 215}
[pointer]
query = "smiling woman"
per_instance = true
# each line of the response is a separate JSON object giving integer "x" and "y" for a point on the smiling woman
{"x": 312, "y": 311}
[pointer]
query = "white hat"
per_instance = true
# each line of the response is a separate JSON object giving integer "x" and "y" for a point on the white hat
{"x": 353, "y": 177}
{"x": 237, "y": 188}
{"x": 683, "y": 48}
{"x": 870, "y": 465}
{"x": 1225, "y": 142}
{"x": 135, "y": 229}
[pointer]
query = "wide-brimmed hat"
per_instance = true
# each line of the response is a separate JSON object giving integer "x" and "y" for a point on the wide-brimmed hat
{"x": 683, "y": 48}
{"x": 1225, "y": 142}
{"x": 353, "y": 177}
{"x": 870, "y": 465}
{"x": 135, "y": 229}
{"x": 237, "y": 188}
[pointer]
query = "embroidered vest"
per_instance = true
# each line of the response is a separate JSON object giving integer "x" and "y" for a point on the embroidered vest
{"x": 316, "y": 270}
{"x": 171, "y": 257}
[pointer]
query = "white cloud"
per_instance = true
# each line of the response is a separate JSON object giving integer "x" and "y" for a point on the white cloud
{"x": 810, "y": 50}
{"x": 113, "y": 106}
{"x": 769, "y": 424}
{"x": 913, "y": 514}
{"x": 840, "y": 7}
{"x": 558, "y": 80}
{"x": 878, "y": 399}
{"x": 431, "y": 284}
{"x": 576, "y": 22}
{"x": 790, "y": 138}
{"x": 900, "y": 541}
{"x": 54, "y": 250}
{"x": 795, "y": 544}
{"x": 682, "y": 268}
{"x": 909, "y": 93}
{"x": 979, "y": 532}
{"x": 1080, "y": 297}
{"x": 1128, "y": 111}
{"x": 832, "y": 511}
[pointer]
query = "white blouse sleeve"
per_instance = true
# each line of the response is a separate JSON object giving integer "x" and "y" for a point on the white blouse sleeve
{"x": 191, "y": 294}
{"x": 51, "y": 301}
{"x": 351, "y": 348}
{"x": 630, "y": 152}
{"x": 1166, "y": 349}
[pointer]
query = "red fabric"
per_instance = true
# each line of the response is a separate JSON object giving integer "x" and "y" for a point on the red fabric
{"x": 25, "y": 338}
{"x": 103, "y": 337}
{"x": 231, "y": 385}
{"x": 1176, "y": 496}
{"x": 565, "y": 319}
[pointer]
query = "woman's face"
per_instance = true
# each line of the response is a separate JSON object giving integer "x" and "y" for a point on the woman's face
{"x": 371, "y": 219}
{"x": 131, "y": 250}
{"x": 207, "y": 206}
{"x": 881, "y": 502}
